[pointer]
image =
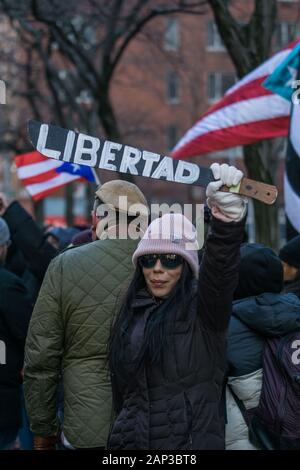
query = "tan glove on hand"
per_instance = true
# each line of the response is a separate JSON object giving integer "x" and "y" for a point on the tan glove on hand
{"x": 228, "y": 207}
{"x": 44, "y": 443}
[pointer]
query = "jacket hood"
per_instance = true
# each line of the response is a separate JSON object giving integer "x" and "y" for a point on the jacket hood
{"x": 254, "y": 319}
{"x": 269, "y": 314}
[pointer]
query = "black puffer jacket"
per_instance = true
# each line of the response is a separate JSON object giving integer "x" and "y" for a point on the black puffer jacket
{"x": 176, "y": 405}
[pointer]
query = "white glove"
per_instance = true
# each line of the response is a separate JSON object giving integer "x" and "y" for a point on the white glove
{"x": 226, "y": 206}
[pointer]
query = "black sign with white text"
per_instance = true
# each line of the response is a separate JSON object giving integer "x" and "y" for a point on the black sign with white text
{"x": 73, "y": 147}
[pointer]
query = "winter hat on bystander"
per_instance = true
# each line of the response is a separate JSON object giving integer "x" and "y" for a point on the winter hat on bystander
{"x": 290, "y": 253}
{"x": 260, "y": 271}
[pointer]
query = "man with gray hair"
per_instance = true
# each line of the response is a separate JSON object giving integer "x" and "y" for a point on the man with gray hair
{"x": 15, "y": 312}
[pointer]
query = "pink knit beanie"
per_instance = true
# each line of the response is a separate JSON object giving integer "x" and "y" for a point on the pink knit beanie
{"x": 171, "y": 233}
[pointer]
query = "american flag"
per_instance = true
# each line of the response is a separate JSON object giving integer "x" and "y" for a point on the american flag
{"x": 246, "y": 114}
{"x": 42, "y": 176}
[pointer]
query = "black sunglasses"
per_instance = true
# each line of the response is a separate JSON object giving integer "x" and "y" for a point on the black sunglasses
{"x": 168, "y": 261}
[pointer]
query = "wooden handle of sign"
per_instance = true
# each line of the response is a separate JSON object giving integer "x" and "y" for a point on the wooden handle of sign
{"x": 261, "y": 191}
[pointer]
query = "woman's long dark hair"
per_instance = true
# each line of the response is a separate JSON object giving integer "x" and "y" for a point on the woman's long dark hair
{"x": 157, "y": 327}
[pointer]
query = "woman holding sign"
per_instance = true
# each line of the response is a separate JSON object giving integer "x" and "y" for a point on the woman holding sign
{"x": 167, "y": 351}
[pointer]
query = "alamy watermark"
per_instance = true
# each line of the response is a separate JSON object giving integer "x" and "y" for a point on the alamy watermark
{"x": 296, "y": 94}
{"x": 296, "y": 354}
{"x": 2, "y": 353}
{"x": 2, "y": 92}
{"x": 130, "y": 221}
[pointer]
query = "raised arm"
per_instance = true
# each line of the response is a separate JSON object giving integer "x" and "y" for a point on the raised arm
{"x": 28, "y": 237}
{"x": 219, "y": 267}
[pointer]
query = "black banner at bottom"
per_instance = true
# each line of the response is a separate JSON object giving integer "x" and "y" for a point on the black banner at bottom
{"x": 139, "y": 459}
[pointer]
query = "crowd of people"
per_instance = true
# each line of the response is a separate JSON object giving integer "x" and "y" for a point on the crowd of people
{"x": 113, "y": 342}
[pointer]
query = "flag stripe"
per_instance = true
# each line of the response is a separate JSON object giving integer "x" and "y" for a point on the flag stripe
{"x": 28, "y": 171}
{"x": 292, "y": 173}
{"x": 265, "y": 69}
{"x": 54, "y": 183}
{"x": 42, "y": 194}
{"x": 292, "y": 205}
{"x": 250, "y": 90}
{"x": 42, "y": 178}
{"x": 257, "y": 110}
{"x": 29, "y": 158}
{"x": 295, "y": 129}
{"x": 225, "y": 138}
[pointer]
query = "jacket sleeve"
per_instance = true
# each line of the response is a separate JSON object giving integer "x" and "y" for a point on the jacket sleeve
{"x": 218, "y": 274}
{"x": 279, "y": 314}
{"x": 29, "y": 239}
{"x": 43, "y": 353}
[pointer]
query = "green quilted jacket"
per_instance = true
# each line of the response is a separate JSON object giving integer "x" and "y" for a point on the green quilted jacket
{"x": 68, "y": 336}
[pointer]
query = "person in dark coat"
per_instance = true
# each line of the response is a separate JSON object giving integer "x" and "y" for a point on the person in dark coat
{"x": 260, "y": 311}
{"x": 290, "y": 258}
{"x": 31, "y": 253}
{"x": 15, "y": 312}
{"x": 168, "y": 343}
{"x": 63, "y": 236}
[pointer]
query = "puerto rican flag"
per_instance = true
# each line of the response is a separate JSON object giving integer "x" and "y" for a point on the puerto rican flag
{"x": 246, "y": 114}
{"x": 42, "y": 176}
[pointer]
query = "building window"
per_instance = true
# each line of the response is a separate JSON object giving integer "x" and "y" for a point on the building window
{"x": 285, "y": 33}
{"x": 172, "y": 136}
{"x": 218, "y": 83}
{"x": 214, "y": 41}
{"x": 171, "y": 35}
{"x": 172, "y": 86}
